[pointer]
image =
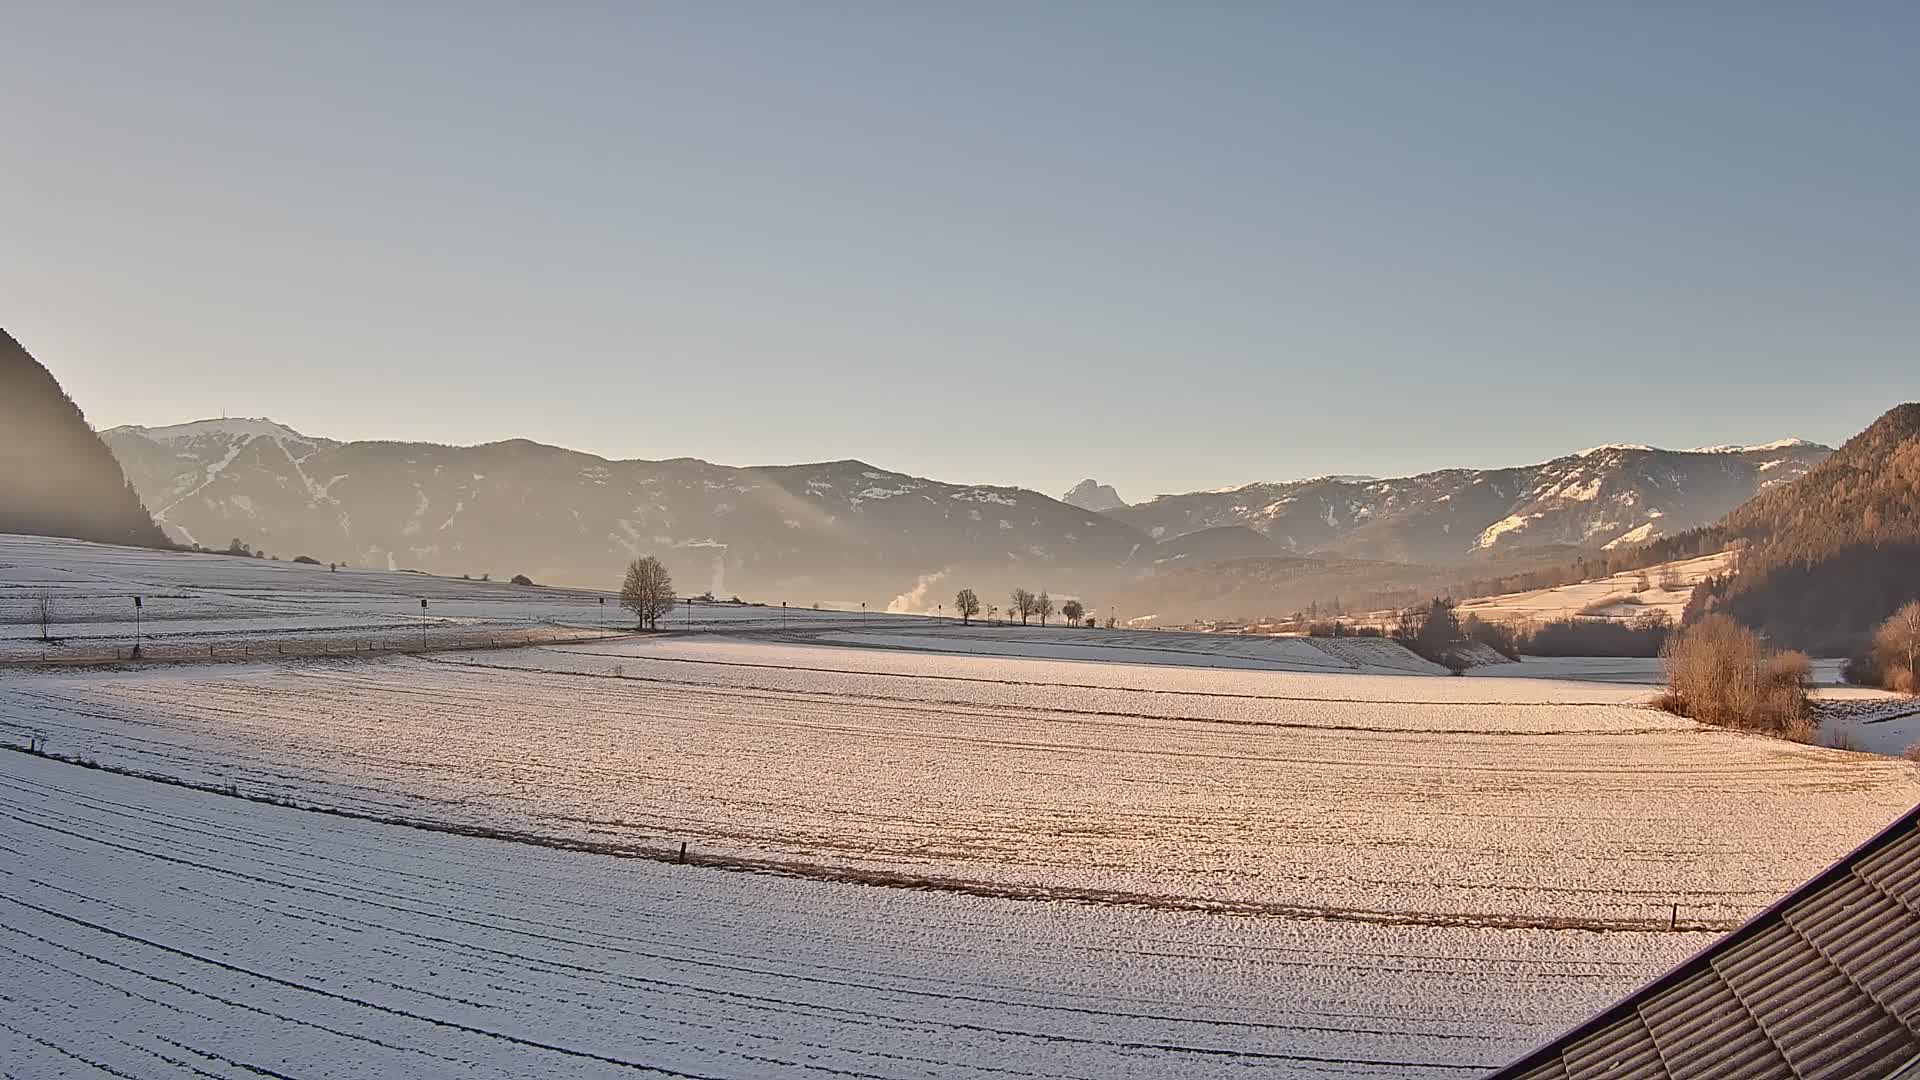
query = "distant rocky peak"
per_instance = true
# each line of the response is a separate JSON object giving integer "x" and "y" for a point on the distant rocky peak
{"x": 1090, "y": 494}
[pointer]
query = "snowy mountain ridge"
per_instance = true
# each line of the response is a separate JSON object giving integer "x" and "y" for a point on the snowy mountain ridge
{"x": 1603, "y": 496}
{"x": 827, "y": 531}
{"x": 849, "y": 530}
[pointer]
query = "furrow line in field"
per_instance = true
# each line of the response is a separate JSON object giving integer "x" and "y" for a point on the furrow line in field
{"x": 1231, "y": 695}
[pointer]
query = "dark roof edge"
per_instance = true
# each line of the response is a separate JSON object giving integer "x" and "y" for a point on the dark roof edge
{"x": 1620, "y": 1009}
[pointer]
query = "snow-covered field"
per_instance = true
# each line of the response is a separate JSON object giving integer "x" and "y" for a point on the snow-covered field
{"x": 974, "y": 852}
{"x": 195, "y": 606}
{"x": 1670, "y": 586}
{"x": 1501, "y": 802}
{"x": 150, "y": 931}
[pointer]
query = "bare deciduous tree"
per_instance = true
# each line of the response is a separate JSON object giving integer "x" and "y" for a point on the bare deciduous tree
{"x": 1043, "y": 606}
{"x": 967, "y": 604}
{"x": 1896, "y": 649}
{"x": 1073, "y": 611}
{"x": 648, "y": 591}
{"x": 43, "y": 614}
{"x": 1022, "y": 605}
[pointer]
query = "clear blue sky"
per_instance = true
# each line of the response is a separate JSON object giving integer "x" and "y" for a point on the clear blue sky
{"x": 1172, "y": 246}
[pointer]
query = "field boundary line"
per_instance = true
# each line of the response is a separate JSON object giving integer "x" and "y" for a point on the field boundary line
{"x": 1090, "y": 686}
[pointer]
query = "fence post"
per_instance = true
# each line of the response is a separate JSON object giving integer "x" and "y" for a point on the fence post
{"x": 683, "y": 851}
{"x": 1673, "y": 923}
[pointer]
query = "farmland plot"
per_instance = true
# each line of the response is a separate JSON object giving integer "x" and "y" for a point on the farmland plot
{"x": 1437, "y": 872}
{"x": 198, "y": 605}
{"x": 151, "y": 931}
{"x": 1368, "y": 798}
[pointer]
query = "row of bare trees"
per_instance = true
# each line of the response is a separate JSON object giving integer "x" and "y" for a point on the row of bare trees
{"x": 1022, "y": 603}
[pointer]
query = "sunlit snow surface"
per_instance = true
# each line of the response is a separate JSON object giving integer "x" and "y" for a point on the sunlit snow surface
{"x": 1099, "y": 855}
{"x": 155, "y": 932}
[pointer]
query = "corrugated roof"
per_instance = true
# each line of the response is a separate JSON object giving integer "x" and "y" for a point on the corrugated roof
{"x": 1823, "y": 984}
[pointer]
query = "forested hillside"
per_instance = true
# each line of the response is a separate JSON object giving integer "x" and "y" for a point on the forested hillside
{"x": 56, "y": 477}
{"x": 1831, "y": 554}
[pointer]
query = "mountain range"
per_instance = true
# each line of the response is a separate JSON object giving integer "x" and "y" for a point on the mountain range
{"x": 846, "y": 532}
{"x": 840, "y": 532}
{"x": 1602, "y": 497}
{"x": 1826, "y": 542}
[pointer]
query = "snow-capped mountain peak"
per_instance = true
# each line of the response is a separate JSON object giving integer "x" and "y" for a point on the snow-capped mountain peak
{"x": 1620, "y": 493}
{"x": 1777, "y": 444}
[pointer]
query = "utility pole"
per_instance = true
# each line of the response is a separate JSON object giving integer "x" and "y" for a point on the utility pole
{"x": 423, "y": 624}
{"x": 136, "y": 628}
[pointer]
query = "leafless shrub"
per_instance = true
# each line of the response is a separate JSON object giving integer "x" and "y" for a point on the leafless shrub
{"x": 1719, "y": 672}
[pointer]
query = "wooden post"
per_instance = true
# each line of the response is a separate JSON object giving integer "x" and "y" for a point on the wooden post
{"x": 683, "y": 851}
{"x": 1674, "y": 922}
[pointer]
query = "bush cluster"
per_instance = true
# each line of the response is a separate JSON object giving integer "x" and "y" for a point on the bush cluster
{"x": 1719, "y": 672}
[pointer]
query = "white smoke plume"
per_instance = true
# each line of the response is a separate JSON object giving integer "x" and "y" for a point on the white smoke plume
{"x": 918, "y": 600}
